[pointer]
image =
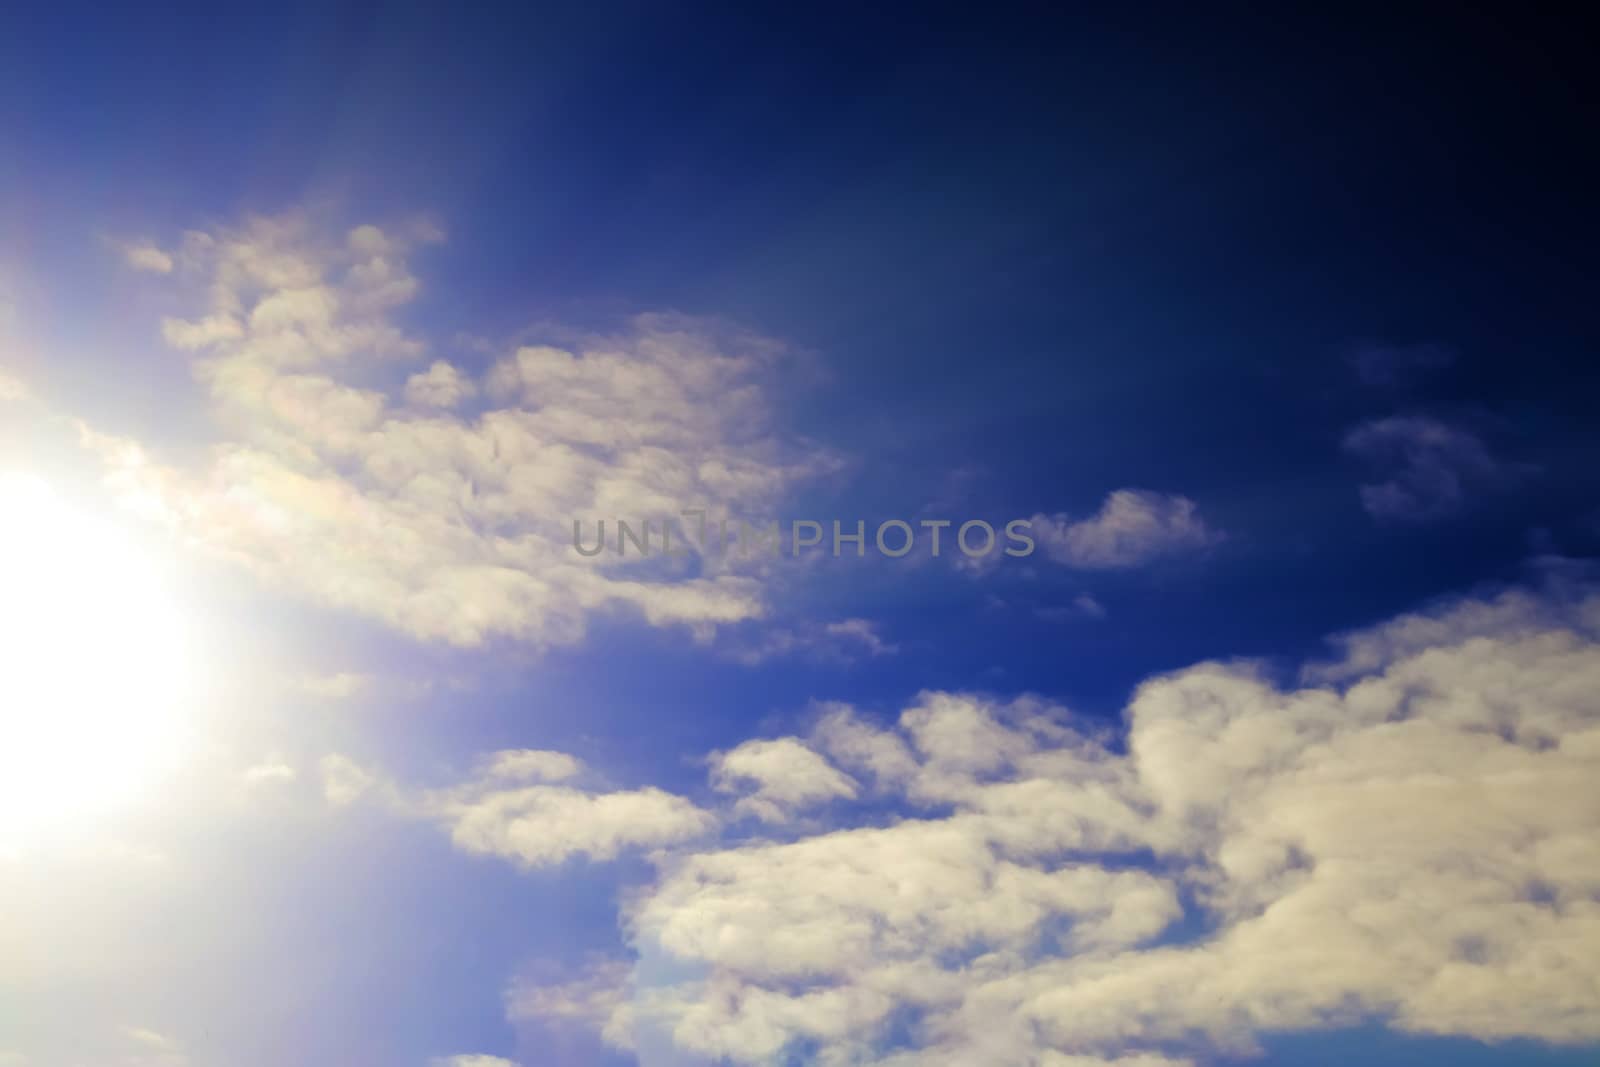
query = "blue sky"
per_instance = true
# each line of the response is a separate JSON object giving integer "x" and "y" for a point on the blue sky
{"x": 321, "y": 324}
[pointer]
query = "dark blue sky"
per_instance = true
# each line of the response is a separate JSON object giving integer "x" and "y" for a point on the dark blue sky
{"x": 1032, "y": 257}
{"x": 1080, "y": 251}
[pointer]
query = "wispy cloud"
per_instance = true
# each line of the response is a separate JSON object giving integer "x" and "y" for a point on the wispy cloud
{"x": 339, "y": 686}
{"x": 344, "y": 781}
{"x": 1133, "y": 527}
{"x": 1082, "y": 606}
{"x": 453, "y": 527}
{"x": 268, "y": 773}
{"x": 143, "y": 255}
{"x": 843, "y": 641}
{"x": 599, "y": 999}
{"x": 12, "y": 390}
{"x": 1431, "y": 467}
{"x": 1388, "y": 365}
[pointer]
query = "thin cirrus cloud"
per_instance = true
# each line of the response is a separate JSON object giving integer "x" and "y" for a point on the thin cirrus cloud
{"x": 600, "y": 999}
{"x": 118, "y": 1046}
{"x": 1396, "y": 366}
{"x": 1083, "y": 606}
{"x": 12, "y": 390}
{"x": 143, "y": 255}
{"x": 1378, "y": 842}
{"x": 452, "y": 525}
{"x": 842, "y": 641}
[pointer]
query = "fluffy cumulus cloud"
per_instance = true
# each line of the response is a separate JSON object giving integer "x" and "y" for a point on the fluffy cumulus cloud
{"x": 530, "y": 763}
{"x": 1132, "y": 527}
{"x": 1402, "y": 834}
{"x": 778, "y": 778}
{"x": 440, "y": 386}
{"x": 441, "y": 502}
{"x": 524, "y": 807}
{"x": 1430, "y": 468}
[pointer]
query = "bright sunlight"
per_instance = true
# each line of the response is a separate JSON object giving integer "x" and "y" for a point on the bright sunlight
{"x": 93, "y": 665}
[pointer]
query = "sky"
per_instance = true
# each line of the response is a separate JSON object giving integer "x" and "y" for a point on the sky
{"x": 331, "y": 333}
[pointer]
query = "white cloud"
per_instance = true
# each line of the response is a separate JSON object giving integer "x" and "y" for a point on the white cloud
{"x": 201, "y": 333}
{"x": 472, "y": 1061}
{"x": 446, "y": 527}
{"x": 532, "y": 807}
{"x": 1132, "y": 527}
{"x": 600, "y": 999}
{"x": 545, "y": 824}
{"x": 786, "y": 775}
{"x": 148, "y": 1048}
{"x": 270, "y": 772}
{"x": 339, "y": 686}
{"x": 440, "y": 386}
{"x": 536, "y": 764}
{"x": 344, "y": 781}
{"x": 146, "y": 256}
{"x": 1431, "y": 467}
{"x": 880, "y": 755}
{"x": 1406, "y": 837}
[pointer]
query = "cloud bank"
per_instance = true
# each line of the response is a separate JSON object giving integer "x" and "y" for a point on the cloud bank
{"x": 1403, "y": 835}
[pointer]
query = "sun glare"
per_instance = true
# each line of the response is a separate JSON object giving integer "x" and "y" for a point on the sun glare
{"x": 93, "y": 664}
